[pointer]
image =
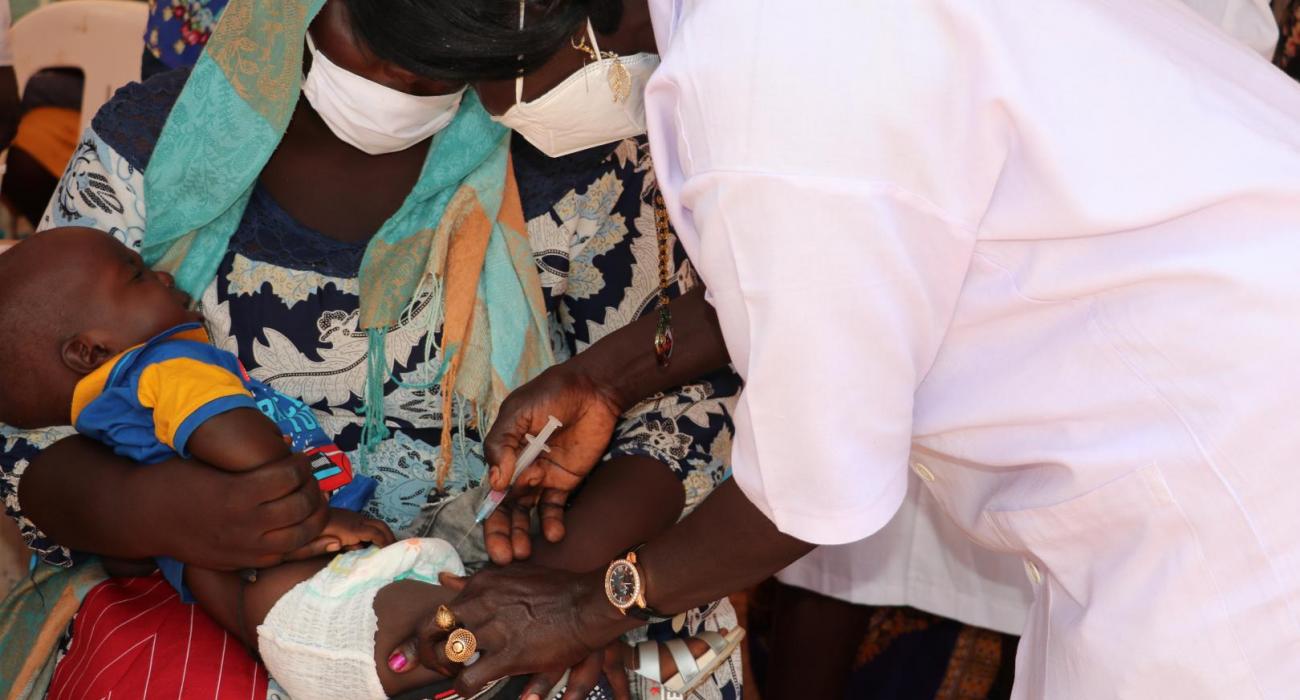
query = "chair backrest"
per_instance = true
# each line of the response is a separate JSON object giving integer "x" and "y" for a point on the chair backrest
{"x": 102, "y": 38}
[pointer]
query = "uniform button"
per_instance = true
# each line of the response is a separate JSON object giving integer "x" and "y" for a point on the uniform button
{"x": 923, "y": 471}
{"x": 1031, "y": 570}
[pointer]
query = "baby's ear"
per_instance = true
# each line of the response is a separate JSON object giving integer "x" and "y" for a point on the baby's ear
{"x": 83, "y": 353}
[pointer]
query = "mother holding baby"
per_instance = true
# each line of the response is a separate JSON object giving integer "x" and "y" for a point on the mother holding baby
{"x": 366, "y": 239}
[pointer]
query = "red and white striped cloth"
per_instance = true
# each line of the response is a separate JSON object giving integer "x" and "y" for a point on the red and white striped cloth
{"x": 135, "y": 639}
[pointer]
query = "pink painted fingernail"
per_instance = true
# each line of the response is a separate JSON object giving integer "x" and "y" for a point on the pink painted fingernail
{"x": 333, "y": 547}
{"x": 397, "y": 661}
{"x": 533, "y": 696}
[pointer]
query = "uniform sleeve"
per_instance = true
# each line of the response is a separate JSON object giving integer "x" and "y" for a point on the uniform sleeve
{"x": 830, "y": 199}
{"x": 184, "y": 392}
{"x": 1251, "y": 22}
{"x": 833, "y": 296}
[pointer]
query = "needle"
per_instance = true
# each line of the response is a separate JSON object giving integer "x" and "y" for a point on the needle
{"x": 536, "y": 446}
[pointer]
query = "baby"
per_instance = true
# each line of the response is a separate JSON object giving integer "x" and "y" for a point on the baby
{"x": 91, "y": 336}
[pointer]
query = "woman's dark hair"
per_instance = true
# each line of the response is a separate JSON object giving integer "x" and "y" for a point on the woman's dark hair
{"x": 474, "y": 39}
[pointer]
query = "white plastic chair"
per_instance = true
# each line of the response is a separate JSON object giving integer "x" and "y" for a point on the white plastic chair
{"x": 102, "y": 38}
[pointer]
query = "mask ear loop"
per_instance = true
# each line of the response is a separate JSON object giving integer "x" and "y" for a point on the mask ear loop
{"x": 591, "y": 34}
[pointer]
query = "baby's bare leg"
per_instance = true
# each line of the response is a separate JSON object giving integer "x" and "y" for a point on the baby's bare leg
{"x": 400, "y": 607}
{"x": 219, "y": 594}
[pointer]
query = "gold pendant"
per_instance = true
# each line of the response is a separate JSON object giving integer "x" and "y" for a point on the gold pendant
{"x": 620, "y": 80}
{"x": 664, "y": 337}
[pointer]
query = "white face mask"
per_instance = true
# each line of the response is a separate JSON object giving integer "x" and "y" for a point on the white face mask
{"x": 372, "y": 117}
{"x": 584, "y": 111}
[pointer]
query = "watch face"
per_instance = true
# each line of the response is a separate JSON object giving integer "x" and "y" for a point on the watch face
{"x": 622, "y": 584}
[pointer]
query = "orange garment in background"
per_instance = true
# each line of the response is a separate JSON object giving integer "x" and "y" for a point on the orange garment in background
{"x": 49, "y": 134}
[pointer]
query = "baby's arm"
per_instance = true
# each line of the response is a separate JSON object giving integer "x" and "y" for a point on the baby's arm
{"x": 201, "y": 407}
{"x": 241, "y": 439}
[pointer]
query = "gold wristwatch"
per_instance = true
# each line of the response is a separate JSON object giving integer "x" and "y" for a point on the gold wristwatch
{"x": 625, "y": 588}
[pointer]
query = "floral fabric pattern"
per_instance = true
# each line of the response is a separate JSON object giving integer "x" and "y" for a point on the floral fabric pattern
{"x": 285, "y": 301}
{"x": 178, "y": 30}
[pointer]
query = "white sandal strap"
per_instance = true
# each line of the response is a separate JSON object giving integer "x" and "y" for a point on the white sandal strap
{"x": 715, "y": 640}
{"x": 686, "y": 666}
{"x": 648, "y": 661}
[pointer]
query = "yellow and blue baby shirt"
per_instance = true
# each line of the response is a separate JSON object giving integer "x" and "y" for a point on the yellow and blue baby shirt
{"x": 147, "y": 402}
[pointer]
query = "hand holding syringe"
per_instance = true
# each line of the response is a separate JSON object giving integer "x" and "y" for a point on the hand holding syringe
{"x": 536, "y": 446}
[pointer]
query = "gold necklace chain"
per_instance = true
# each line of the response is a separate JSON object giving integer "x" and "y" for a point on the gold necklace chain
{"x": 664, "y": 329}
{"x": 580, "y": 43}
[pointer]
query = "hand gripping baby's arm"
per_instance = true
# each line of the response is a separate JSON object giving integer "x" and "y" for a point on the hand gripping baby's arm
{"x": 203, "y": 410}
{"x": 243, "y": 439}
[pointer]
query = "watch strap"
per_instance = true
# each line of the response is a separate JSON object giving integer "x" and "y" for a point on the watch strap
{"x": 640, "y": 610}
{"x": 647, "y": 614}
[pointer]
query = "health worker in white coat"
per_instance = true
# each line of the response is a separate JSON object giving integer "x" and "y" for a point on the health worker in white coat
{"x": 921, "y": 559}
{"x": 1048, "y": 259}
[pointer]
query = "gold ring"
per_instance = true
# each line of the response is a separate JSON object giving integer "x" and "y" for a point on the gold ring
{"x": 461, "y": 645}
{"x": 445, "y": 619}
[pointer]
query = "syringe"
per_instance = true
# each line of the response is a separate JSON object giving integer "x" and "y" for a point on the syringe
{"x": 536, "y": 446}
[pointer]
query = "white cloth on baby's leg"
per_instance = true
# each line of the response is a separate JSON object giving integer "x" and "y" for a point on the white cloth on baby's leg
{"x": 318, "y": 642}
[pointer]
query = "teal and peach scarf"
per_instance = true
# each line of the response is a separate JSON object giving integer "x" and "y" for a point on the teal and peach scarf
{"x": 460, "y": 233}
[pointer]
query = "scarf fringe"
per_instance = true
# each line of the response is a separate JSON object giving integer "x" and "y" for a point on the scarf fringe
{"x": 375, "y": 428}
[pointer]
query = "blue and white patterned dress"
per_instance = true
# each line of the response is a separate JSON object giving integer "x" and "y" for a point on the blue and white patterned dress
{"x": 285, "y": 301}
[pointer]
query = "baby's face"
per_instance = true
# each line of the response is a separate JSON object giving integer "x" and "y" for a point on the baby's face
{"x": 70, "y": 299}
{"x": 126, "y": 299}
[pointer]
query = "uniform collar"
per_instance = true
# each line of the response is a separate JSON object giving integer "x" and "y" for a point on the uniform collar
{"x": 92, "y": 385}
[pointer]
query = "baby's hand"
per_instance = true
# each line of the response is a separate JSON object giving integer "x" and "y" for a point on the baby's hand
{"x": 353, "y": 530}
{"x": 348, "y": 530}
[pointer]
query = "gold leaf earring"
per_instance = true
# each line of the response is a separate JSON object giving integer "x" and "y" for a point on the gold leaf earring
{"x": 620, "y": 80}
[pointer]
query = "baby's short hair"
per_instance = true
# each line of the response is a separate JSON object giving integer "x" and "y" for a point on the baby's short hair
{"x": 39, "y": 308}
